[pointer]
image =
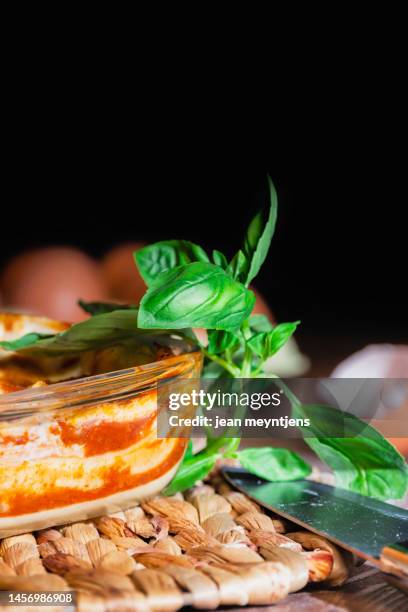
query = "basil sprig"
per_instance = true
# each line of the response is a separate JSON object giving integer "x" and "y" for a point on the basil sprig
{"x": 193, "y": 468}
{"x": 110, "y": 328}
{"x": 258, "y": 237}
{"x": 24, "y": 342}
{"x": 266, "y": 344}
{"x": 198, "y": 294}
{"x": 95, "y": 308}
{"x": 186, "y": 290}
{"x": 362, "y": 459}
{"x": 166, "y": 255}
{"x": 276, "y": 464}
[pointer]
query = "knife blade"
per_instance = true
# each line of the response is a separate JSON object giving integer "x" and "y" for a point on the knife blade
{"x": 371, "y": 529}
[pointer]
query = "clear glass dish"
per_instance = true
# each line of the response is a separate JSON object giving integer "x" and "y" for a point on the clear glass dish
{"x": 80, "y": 448}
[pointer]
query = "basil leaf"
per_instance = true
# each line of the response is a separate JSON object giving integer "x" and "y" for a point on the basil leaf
{"x": 362, "y": 459}
{"x": 166, "y": 255}
{"x": 195, "y": 295}
{"x": 94, "y": 308}
{"x": 191, "y": 470}
{"x": 259, "y": 235}
{"x": 220, "y": 341}
{"x": 189, "y": 451}
{"x": 226, "y": 445}
{"x": 24, "y": 341}
{"x": 238, "y": 265}
{"x": 274, "y": 464}
{"x": 100, "y": 331}
{"x": 219, "y": 259}
{"x": 260, "y": 323}
{"x": 230, "y": 446}
{"x": 266, "y": 344}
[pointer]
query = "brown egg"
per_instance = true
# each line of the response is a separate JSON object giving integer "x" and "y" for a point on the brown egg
{"x": 121, "y": 275}
{"x": 50, "y": 281}
{"x": 401, "y": 444}
{"x": 261, "y": 306}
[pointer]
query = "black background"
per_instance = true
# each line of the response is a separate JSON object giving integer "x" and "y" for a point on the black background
{"x": 339, "y": 256}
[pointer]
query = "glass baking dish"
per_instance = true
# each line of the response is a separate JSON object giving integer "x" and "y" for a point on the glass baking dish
{"x": 78, "y": 448}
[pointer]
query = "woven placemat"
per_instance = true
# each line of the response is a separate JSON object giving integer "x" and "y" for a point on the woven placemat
{"x": 207, "y": 548}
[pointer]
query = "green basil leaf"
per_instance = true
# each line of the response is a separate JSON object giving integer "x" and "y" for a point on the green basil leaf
{"x": 260, "y": 323}
{"x": 266, "y": 344}
{"x": 274, "y": 464}
{"x": 259, "y": 235}
{"x": 219, "y": 259}
{"x": 191, "y": 470}
{"x": 362, "y": 459}
{"x": 24, "y": 341}
{"x": 230, "y": 447}
{"x": 237, "y": 266}
{"x": 220, "y": 341}
{"x": 100, "y": 331}
{"x": 226, "y": 445}
{"x": 95, "y": 308}
{"x": 195, "y": 295}
{"x": 189, "y": 451}
{"x": 166, "y": 255}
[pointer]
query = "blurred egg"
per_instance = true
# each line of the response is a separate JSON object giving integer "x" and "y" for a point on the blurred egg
{"x": 121, "y": 275}
{"x": 261, "y": 306}
{"x": 382, "y": 361}
{"x": 49, "y": 281}
{"x": 375, "y": 361}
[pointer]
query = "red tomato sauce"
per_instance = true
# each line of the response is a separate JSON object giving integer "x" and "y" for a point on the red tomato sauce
{"x": 116, "y": 479}
{"x": 105, "y": 436}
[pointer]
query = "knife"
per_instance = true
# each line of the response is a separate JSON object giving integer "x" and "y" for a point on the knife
{"x": 371, "y": 529}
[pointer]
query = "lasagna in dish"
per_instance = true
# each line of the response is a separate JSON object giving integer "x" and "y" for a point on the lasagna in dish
{"x": 68, "y": 452}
